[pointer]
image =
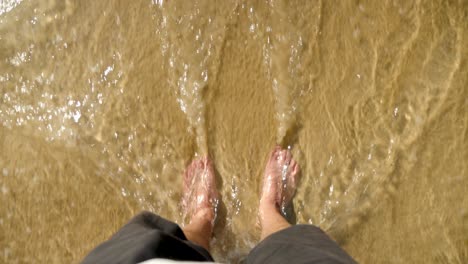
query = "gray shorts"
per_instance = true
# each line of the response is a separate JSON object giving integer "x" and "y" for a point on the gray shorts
{"x": 148, "y": 236}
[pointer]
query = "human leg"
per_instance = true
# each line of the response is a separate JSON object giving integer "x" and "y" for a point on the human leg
{"x": 281, "y": 242}
{"x": 148, "y": 235}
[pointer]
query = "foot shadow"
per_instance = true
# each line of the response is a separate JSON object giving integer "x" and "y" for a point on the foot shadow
{"x": 290, "y": 214}
{"x": 221, "y": 211}
{"x": 292, "y": 136}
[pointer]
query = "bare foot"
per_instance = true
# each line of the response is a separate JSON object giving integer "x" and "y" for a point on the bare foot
{"x": 200, "y": 192}
{"x": 200, "y": 201}
{"x": 280, "y": 178}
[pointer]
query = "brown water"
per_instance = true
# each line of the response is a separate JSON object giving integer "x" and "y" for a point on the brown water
{"x": 103, "y": 104}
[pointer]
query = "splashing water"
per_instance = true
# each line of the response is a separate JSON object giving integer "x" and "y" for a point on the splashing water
{"x": 285, "y": 44}
{"x": 89, "y": 126}
{"x": 192, "y": 35}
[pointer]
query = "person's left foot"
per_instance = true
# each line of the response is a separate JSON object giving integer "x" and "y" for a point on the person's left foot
{"x": 200, "y": 195}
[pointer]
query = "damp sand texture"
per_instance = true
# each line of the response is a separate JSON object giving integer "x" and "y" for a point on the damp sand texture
{"x": 104, "y": 103}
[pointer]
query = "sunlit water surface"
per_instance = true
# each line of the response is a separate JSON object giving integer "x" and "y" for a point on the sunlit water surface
{"x": 104, "y": 103}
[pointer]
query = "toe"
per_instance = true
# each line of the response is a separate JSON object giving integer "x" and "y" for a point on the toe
{"x": 207, "y": 161}
{"x": 282, "y": 156}
{"x": 288, "y": 157}
{"x": 209, "y": 166}
{"x": 200, "y": 164}
{"x": 293, "y": 177}
{"x": 294, "y": 167}
{"x": 275, "y": 153}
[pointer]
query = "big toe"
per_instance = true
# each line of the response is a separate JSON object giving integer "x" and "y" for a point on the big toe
{"x": 287, "y": 156}
{"x": 275, "y": 154}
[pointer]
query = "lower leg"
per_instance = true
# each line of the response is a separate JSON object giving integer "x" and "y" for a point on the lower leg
{"x": 200, "y": 228}
{"x": 271, "y": 221}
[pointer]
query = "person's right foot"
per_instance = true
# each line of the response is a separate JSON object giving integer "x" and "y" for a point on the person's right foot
{"x": 200, "y": 194}
{"x": 279, "y": 182}
{"x": 199, "y": 201}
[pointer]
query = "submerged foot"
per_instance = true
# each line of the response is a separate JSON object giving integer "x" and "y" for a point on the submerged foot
{"x": 200, "y": 195}
{"x": 279, "y": 181}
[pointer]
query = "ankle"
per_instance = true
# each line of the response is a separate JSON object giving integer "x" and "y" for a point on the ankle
{"x": 267, "y": 207}
{"x": 273, "y": 223}
{"x": 271, "y": 220}
{"x": 199, "y": 230}
{"x": 203, "y": 214}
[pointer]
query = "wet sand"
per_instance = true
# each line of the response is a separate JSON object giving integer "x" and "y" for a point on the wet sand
{"x": 104, "y": 103}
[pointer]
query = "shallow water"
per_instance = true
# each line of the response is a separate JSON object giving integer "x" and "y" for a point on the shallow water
{"x": 103, "y": 104}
